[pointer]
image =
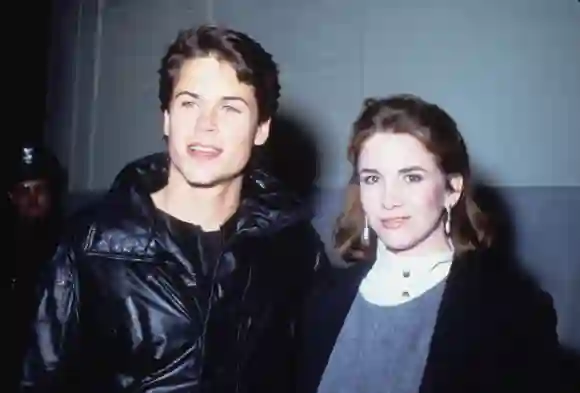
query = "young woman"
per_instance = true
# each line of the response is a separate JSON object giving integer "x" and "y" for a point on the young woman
{"x": 426, "y": 304}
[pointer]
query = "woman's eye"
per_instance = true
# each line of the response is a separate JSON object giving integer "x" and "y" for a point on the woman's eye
{"x": 371, "y": 179}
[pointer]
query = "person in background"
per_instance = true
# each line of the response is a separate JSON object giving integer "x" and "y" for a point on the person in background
{"x": 426, "y": 303}
{"x": 34, "y": 213}
{"x": 36, "y": 190}
{"x": 189, "y": 275}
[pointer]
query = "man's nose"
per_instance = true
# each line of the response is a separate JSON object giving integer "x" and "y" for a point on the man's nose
{"x": 207, "y": 120}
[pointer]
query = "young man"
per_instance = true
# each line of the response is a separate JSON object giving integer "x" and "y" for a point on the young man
{"x": 189, "y": 275}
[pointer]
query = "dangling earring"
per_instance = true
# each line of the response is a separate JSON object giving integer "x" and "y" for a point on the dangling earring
{"x": 447, "y": 226}
{"x": 366, "y": 233}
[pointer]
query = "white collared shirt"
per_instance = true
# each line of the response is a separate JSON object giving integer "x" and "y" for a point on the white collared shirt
{"x": 395, "y": 279}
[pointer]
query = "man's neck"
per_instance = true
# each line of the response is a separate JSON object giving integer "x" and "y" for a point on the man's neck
{"x": 208, "y": 208}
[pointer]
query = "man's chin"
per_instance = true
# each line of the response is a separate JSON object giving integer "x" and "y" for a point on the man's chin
{"x": 204, "y": 183}
{"x": 213, "y": 182}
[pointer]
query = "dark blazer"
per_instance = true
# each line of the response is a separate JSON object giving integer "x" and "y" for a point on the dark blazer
{"x": 495, "y": 331}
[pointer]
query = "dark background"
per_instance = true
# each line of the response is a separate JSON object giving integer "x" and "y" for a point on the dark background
{"x": 27, "y": 70}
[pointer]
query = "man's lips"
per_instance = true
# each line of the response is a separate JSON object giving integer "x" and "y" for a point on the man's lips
{"x": 203, "y": 151}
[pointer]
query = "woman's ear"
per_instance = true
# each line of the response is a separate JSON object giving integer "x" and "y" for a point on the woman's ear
{"x": 456, "y": 189}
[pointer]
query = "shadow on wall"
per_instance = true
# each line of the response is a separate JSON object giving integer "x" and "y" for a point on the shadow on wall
{"x": 495, "y": 207}
{"x": 494, "y": 204}
{"x": 292, "y": 154}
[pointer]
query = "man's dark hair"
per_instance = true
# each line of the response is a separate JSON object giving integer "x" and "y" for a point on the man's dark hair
{"x": 253, "y": 65}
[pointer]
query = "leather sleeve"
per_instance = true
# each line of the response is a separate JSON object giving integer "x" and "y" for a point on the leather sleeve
{"x": 54, "y": 329}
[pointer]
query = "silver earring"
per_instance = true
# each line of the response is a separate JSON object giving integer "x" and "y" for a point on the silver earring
{"x": 447, "y": 227}
{"x": 366, "y": 233}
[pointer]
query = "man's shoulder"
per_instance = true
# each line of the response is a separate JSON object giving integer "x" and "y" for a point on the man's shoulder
{"x": 99, "y": 210}
{"x": 105, "y": 226}
{"x": 77, "y": 225}
{"x": 302, "y": 243}
{"x": 301, "y": 231}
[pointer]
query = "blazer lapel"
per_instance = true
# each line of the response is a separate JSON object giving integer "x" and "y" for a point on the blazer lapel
{"x": 457, "y": 330}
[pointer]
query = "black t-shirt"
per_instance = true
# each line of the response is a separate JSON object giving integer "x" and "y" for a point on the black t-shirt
{"x": 192, "y": 239}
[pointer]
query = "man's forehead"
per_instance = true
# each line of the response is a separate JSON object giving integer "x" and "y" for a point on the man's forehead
{"x": 209, "y": 71}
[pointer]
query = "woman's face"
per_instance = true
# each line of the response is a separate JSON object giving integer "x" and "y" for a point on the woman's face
{"x": 404, "y": 193}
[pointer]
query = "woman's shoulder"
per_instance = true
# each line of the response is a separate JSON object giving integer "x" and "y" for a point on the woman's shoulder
{"x": 502, "y": 269}
{"x": 502, "y": 279}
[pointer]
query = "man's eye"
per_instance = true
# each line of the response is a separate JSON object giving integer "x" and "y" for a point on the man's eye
{"x": 413, "y": 178}
{"x": 232, "y": 109}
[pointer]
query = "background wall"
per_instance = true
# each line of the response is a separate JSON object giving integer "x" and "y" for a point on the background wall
{"x": 506, "y": 70}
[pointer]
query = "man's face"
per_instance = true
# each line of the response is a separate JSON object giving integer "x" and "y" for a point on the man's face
{"x": 212, "y": 123}
{"x": 31, "y": 198}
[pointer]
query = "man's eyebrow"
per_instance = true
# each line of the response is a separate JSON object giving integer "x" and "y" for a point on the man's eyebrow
{"x": 235, "y": 98}
{"x": 225, "y": 98}
{"x": 187, "y": 93}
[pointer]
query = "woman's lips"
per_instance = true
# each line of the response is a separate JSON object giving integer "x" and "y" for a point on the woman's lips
{"x": 394, "y": 222}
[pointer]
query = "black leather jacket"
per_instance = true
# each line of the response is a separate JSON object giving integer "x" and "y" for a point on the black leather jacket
{"x": 121, "y": 309}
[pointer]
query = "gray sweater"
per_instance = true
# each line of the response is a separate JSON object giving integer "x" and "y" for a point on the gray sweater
{"x": 383, "y": 349}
